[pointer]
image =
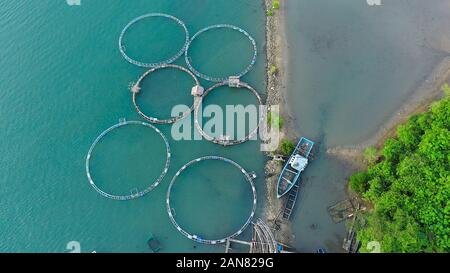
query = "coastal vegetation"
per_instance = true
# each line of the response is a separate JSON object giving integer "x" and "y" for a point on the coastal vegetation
{"x": 276, "y": 4}
{"x": 287, "y": 147}
{"x": 370, "y": 155}
{"x": 275, "y": 120}
{"x": 407, "y": 185}
{"x": 273, "y": 69}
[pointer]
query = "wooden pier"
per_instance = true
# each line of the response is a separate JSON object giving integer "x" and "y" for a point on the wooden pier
{"x": 230, "y": 241}
{"x": 351, "y": 244}
{"x": 263, "y": 240}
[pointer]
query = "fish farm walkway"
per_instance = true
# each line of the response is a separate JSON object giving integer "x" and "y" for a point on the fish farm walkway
{"x": 135, "y": 90}
{"x": 233, "y": 82}
{"x": 263, "y": 240}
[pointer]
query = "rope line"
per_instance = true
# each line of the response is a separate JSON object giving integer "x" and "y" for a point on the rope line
{"x": 235, "y": 83}
{"x": 140, "y": 18}
{"x": 135, "y": 90}
{"x": 136, "y": 193}
{"x": 221, "y": 79}
{"x": 195, "y": 237}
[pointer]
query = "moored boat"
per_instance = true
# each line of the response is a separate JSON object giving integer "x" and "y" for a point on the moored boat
{"x": 294, "y": 166}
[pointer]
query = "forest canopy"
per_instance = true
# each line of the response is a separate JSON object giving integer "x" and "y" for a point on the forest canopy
{"x": 408, "y": 186}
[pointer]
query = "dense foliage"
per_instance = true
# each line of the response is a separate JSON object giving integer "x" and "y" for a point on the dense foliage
{"x": 409, "y": 187}
{"x": 358, "y": 182}
{"x": 287, "y": 147}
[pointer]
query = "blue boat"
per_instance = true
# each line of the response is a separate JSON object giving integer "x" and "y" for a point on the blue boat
{"x": 294, "y": 167}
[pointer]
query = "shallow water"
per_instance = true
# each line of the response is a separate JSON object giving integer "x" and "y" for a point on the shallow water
{"x": 63, "y": 81}
{"x": 350, "y": 67}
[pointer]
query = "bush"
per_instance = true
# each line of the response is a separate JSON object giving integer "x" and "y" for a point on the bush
{"x": 370, "y": 155}
{"x": 287, "y": 147}
{"x": 273, "y": 69}
{"x": 269, "y": 12}
{"x": 275, "y": 120}
{"x": 276, "y": 4}
{"x": 446, "y": 89}
{"x": 358, "y": 182}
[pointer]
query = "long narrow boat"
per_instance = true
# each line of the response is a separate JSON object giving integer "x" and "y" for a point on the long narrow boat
{"x": 294, "y": 167}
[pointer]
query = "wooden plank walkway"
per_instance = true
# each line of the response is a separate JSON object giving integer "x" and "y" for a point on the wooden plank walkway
{"x": 290, "y": 202}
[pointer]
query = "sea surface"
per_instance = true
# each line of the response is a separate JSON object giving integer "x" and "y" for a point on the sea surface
{"x": 63, "y": 81}
{"x": 351, "y": 66}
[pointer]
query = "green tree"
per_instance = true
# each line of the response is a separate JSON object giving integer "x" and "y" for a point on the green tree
{"x": 287, "y": 147}
{"x": 410, "y": 187}
{"x": 358, "y": 182}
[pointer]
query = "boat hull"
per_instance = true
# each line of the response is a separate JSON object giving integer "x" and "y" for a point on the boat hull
{"x": 291, "y": 173}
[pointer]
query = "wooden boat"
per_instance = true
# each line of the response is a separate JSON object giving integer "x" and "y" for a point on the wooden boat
{"x": 294, "y": 167}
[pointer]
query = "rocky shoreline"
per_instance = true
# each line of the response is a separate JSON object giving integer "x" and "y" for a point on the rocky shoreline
{"x": 275, "y": 53}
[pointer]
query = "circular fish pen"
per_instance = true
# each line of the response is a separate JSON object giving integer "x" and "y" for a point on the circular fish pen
{"x": 197, "y": 238}
{"x": 233, "y": 82}
{"x": 135, "y": 90}
{"x": 136, "y": 194}
{"x": 140, "y": 18}
{"x": 221, "y": 79}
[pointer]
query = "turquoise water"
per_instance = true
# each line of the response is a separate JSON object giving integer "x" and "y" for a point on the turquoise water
{"x": 350, "y": 68}
{"x": 64, "y": 81}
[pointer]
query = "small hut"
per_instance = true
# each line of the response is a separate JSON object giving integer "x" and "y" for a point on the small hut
{"x": 135, "y": 89}
{"x": 234, "y": 81}
{"x": 197, "y": 91}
